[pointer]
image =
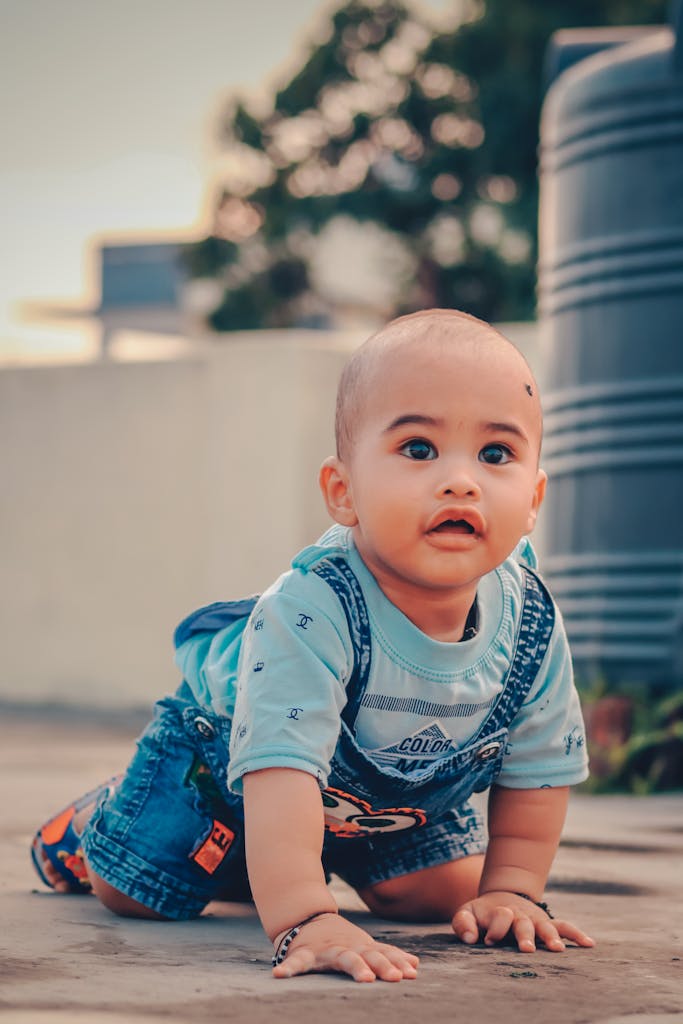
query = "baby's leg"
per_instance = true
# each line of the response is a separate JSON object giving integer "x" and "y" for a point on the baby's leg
{"x": 56, "y": 848}
{"x": 421, "y": 873}
{"x": 165, "y": 841}
{"x": 107, "y": 895}
{"x": 118, "y": 902}
{"x": 431, "y": 894}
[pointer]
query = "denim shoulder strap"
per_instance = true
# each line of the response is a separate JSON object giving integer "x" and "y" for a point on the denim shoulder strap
{"x": 344, "y": 582}
{"x": 335, "y": 571}
{"x": 536, "y": 623}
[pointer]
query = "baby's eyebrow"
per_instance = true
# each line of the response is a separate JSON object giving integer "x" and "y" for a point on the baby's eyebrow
{"x": 506, "y": 428}
{"x": 419, "y": 419}
{"x": 413, "y": 418}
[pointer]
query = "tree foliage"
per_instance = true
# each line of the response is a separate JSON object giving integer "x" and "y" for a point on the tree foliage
{"x": 428, "y": 134}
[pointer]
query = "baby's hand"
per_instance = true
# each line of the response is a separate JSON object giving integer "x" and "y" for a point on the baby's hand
{"x": 332, "y": 943}
{"x": 497, "y": 913}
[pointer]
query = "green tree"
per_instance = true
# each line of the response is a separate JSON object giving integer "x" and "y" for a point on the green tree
{"x": 430, "y": 134}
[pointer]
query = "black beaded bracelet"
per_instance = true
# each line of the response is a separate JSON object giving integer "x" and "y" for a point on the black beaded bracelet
{"x": 543, "y": 906}
{"x": 291, "y": 933}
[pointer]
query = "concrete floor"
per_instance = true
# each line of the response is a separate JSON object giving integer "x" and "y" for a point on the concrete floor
{"x": 619, "y": 874}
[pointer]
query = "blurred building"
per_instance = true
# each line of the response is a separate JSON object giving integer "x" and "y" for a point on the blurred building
{"x": 142, "y": 290}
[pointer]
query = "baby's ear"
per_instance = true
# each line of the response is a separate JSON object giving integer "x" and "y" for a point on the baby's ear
{"x": 537, "y": 501}
{"x": 336, "y": 489}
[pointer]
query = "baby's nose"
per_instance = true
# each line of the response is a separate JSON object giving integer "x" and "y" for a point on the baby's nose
{"x": 460, "y": 482}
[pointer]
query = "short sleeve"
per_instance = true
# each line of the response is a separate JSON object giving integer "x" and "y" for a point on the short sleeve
{"x": 547, "y": 740}
{"x": 295, "y": 660}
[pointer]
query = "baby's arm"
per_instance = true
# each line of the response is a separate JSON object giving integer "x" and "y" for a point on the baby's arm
{"x": 284, "y": 828}
{"x": 524, "y": 832}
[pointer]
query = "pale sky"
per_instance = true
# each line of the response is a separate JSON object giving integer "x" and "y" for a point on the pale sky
{"x": 107, "y": 112}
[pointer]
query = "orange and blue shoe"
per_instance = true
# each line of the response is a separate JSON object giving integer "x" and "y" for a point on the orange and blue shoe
{"x": 59, "y": 843}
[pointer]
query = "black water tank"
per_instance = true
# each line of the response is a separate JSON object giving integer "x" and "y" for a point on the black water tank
{"x": 611, "y": 316}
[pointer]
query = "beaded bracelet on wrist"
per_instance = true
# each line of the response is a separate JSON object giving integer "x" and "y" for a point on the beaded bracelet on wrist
{"x": 536, "y": 903}
{"x": 288, "y": 937}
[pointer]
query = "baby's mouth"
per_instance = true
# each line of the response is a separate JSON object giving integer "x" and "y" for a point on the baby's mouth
{"x": 454, "y": 526}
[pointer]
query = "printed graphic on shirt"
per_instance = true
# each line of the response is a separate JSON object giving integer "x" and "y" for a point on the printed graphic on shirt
{"x": 417, "y": 751}
{"x": 428, "y": 708}
{"x": 348, "y": 817}
{"x": 574, "y": 740}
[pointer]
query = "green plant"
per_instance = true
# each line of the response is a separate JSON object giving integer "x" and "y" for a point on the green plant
{"x": 635, "y": 737}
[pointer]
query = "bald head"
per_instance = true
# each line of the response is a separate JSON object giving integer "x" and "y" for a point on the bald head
{"x": 433, "y": 328}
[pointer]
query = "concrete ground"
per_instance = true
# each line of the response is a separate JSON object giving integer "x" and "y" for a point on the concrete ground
{"x": 619, "y": 874}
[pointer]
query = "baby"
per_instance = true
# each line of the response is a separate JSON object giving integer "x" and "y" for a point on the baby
{"x": 342, "y": 722}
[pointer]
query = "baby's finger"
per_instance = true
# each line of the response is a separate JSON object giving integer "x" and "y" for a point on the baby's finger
{"x": 348, "y": 962}
{"x": 499, "y": 925}
{"x": 382, "y": 966}
{"x": 399, "y": 956}
{"x": 525, "y": 934}
{"x": 569, "y": 931}
{"x": 550, "y": 936}
{"x": 465, "y": 926}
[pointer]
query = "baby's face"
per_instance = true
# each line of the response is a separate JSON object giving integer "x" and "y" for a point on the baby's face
{"x": 443, "y": 474}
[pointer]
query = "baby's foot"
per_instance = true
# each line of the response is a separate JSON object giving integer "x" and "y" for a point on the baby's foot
{"x": 75, "y": 861}
{"x": 56, "y": 849}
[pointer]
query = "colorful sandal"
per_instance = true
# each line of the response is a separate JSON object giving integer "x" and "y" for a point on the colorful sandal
{"x": 58, "y": 842}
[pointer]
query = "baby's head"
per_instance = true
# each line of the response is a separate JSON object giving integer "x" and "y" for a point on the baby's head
{"x": 438, "y": 428}
{"x": 416, "y": 337}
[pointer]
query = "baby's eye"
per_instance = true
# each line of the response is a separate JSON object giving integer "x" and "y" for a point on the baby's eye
{"x": 418, "y": 449}
{"x": 495, "y": 454}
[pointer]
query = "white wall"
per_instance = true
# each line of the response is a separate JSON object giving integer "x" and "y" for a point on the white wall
{"x": 132, "y": 493}
{"x": 135, "y": 492}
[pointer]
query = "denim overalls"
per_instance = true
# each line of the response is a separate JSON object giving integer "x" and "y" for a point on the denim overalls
{"x": 380, "y": 823}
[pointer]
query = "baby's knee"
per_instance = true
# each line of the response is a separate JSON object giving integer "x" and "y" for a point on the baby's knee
{"x": 402, "y": 899}
{"x": 392, "y": 892}
{"x": 118, "y": 903}
{"x": 429, "y": 894}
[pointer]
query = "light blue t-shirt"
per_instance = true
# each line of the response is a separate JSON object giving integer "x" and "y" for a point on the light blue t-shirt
{"x": 283, "y": 680}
